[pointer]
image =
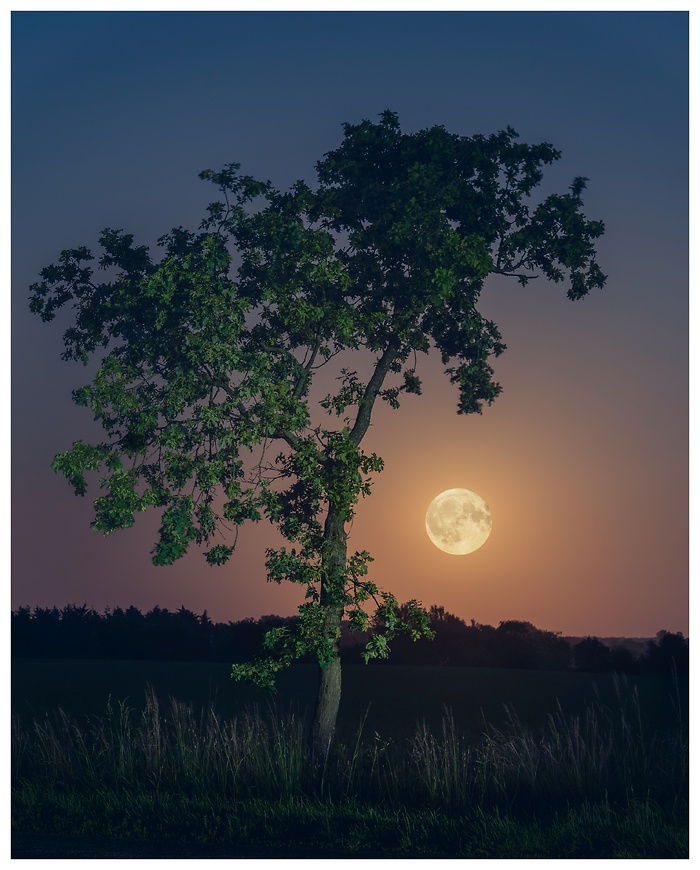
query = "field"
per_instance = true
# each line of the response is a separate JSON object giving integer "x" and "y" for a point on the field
{"x": 451, "y": 762}
{"x": 392, "y": 697}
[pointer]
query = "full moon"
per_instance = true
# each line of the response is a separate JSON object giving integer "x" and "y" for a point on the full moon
{"x": 458, "y": 521}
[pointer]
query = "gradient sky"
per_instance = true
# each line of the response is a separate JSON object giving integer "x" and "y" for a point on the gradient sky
{"x": 583, "y": 459}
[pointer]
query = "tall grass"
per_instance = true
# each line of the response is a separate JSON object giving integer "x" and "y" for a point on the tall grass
{"x": 168, "y": 772}
{"x": 164, "y": 749}
{"x": 604, "y": 755}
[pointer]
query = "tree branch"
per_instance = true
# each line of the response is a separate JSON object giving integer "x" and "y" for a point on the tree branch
{"x": 507, "y": 274}
{"x": 381, "y": 370}
{"x": 304, "y": 376}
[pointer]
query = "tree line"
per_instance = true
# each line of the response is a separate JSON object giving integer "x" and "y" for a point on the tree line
{"x": 78, "y": 631}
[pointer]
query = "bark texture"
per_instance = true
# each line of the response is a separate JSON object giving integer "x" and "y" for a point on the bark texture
{"x": 329, "y": 682}
{"x": 327, "y": 705}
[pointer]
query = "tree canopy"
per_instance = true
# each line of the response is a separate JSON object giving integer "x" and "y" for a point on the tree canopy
{"x": 208, "y": 352}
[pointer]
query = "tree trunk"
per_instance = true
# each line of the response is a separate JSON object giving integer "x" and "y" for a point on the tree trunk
{"x": 332, "y": 584}
{"x": 333, "y": 573}
{"x": 327, "y": 704}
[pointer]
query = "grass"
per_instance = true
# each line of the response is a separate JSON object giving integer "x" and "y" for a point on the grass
{"x": 599, "y": 784}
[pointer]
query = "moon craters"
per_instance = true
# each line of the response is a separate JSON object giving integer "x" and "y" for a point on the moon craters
{"x": 458, "y": 521}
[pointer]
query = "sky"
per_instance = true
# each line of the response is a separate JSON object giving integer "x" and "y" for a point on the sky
{"x": 583, "y": 459}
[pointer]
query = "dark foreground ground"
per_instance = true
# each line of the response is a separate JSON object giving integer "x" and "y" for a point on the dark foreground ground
{"x": 612, "y": 784}
{"x": 40, "y": 846}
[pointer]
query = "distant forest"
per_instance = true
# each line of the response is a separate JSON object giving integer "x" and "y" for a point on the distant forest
{"x": 82, "y": 633}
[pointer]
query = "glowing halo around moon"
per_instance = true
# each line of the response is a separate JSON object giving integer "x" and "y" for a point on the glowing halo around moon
{"x": 458, "y": 521}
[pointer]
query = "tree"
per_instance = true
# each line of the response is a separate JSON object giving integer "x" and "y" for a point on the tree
{"x": 204, "y": 386}
{"x": 591, "y": 654}
{"x": 669, "y": 653}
